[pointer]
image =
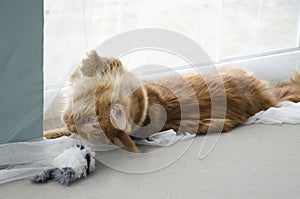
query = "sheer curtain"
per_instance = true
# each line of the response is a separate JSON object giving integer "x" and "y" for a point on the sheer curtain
{"x": 224, "y": 28}
{"x": 65, "y": 40}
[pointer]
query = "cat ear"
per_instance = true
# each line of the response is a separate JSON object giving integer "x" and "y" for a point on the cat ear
{"x": 118, "y": 116}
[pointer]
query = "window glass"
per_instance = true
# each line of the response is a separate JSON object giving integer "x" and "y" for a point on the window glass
{"x": 223, "y": 28}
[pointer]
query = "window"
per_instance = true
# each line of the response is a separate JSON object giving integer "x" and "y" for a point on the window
{"x": 226, "y": 29}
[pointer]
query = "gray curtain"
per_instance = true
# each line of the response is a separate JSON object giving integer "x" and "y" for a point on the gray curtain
{"x": 21, "y": 70}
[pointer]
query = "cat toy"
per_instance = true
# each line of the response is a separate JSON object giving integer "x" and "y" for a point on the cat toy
{"x": 73, "y": 163}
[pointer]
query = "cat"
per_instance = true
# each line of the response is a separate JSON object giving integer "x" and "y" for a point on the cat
{"x": 125, "y": 105}
{"x": 80, "y": 113}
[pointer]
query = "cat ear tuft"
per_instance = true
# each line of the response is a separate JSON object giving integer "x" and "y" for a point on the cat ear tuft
{"x": 118, "y": 116}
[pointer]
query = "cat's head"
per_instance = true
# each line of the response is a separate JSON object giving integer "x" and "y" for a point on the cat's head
{"x": 80, "y": 115}
{"x": 121, "y": 99}
{"x": 83, "y": 83}
{"x": 115, "y": 97}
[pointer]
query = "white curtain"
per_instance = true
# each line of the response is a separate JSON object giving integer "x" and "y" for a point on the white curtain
{"x": 224, "y": 28}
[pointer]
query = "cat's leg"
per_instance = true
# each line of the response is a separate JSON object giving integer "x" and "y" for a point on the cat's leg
{"x": 52, "y": 134}
{"x": 74, "y": 75}
{"x": 214, "y": 125}
{"x": 123, "y": 140}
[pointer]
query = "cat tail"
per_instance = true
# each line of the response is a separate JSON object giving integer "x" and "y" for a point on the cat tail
{"x": 288, "y": 91}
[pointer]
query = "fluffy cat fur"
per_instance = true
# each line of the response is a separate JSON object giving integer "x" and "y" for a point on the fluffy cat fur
{"x": 121, "y": 104}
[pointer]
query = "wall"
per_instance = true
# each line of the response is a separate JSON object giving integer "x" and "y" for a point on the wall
{"x": 21, "y": 70}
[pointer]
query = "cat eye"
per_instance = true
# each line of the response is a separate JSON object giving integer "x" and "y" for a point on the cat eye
{"x": 90, "y": 119}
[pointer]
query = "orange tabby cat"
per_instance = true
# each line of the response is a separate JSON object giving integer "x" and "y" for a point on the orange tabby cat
{"x": 80, "y": 113}
{"x": 124, "y": 105}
